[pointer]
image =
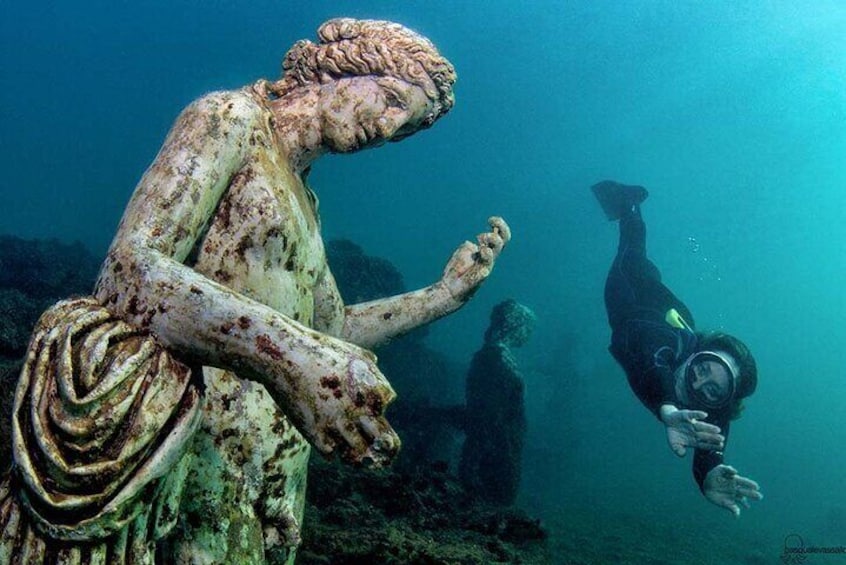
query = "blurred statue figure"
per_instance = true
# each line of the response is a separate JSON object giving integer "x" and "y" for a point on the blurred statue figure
{"x": 171, "y": 414}
{"x": 495, "y": 421}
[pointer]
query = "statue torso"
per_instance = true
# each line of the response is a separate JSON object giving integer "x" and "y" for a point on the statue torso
{"x": 249, "y": 467}
{"x": 264, "y": 239}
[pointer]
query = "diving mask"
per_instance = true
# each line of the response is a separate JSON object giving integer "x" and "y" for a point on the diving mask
{"x": 710, "y": 379}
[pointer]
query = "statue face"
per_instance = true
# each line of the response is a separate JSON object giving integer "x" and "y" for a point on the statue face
{"x": 361, "y": 112}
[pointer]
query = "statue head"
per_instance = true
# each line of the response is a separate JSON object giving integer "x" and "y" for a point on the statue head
{"x": 379, "y": 81}
{"x": 511, "y": 324}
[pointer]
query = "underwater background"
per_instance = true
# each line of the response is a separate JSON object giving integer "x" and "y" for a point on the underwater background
{"x": 732, "y": 114}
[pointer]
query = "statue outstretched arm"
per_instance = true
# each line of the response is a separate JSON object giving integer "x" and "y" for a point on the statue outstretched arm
{"x": 372, "y": 323}
{"x": 331, "y": 390}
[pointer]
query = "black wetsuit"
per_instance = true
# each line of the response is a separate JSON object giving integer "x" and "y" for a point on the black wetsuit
{"x": 647, "y": 337}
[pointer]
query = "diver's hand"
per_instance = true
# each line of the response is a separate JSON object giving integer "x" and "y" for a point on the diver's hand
{"x": 684, "y": 429}
{"x": 471, "y": 263}
{"x": 725, "y": 488}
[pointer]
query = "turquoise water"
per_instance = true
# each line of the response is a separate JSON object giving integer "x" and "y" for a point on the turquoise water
{"x": 732, "y": 114}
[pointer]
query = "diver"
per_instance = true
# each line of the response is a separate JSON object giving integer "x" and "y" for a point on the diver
{"x": 693, "y": 382}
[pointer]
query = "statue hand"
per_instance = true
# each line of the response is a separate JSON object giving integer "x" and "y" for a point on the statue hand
{"x": 471, "y": 263}
{"x": 340, "y": 404}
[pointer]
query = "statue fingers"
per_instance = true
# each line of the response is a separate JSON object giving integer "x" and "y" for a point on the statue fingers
{"x": 323, "y": 442}
{"x": 499, "y": 227}
{"x": 485, "y": 255}
{"x": 366, "y": 440}
{"x": 350, "y": 444}
{"x": 490, "y": 244}
{"x": 383, "y": 441}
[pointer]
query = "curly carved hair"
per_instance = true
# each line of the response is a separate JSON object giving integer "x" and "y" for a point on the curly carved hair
{"x": 350, "y": 47}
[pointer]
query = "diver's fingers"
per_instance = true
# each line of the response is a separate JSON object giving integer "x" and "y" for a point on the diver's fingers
{"x": 710, "y": 441}
{"x": 743, "y": 482}
{"x": 706, "y": 427}
{"x": 710, "y": 436}
{"x": 691, "y": 415}
{"x": 747, "y": 488}
{"x": 728, "y": 472}
{"x": 749, "y": 493}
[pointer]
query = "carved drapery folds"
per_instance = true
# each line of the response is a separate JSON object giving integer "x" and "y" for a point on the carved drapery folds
{"x": 102, "y": 421}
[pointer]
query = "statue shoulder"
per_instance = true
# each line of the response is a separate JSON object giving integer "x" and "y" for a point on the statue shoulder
{"x": 495, "y": 355}
{"x": 231, "y": 106}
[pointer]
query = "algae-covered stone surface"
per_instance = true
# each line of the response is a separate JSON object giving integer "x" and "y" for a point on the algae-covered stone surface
{"x": 384, "y": 516}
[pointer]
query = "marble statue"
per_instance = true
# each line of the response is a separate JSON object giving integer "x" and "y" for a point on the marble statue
{"x": 494, "y": 418}
{"x": 169, "y": 417}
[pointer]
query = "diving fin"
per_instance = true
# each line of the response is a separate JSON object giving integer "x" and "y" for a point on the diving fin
{"x": 616, "y": 198}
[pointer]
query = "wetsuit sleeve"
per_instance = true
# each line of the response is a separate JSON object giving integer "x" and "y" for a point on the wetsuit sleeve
{"x": 705, "y": 460}
{"x": 657, "y": 384}
{"x": 649, "y": 362}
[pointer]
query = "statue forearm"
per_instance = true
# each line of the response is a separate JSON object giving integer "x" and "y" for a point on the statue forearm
{"x": 373, "y": 323}
{"x": 320, "y": 382}
{"x": 188, "y": 312}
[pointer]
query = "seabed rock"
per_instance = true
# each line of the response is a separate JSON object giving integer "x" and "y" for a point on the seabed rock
{"x": 358, "y": 516}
